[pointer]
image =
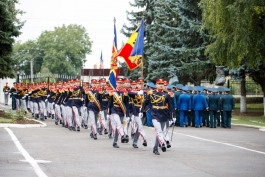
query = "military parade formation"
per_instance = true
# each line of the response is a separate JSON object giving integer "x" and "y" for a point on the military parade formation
{"x": 122, "y": 112}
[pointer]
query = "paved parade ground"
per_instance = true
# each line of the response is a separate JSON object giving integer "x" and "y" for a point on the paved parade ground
{"x": 56, "y": 151}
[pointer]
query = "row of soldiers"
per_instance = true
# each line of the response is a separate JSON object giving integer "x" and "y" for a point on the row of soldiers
{"x": 113, "y": 111}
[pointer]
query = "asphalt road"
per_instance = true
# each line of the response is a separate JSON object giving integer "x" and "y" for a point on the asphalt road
{"x": 239, "y": 151}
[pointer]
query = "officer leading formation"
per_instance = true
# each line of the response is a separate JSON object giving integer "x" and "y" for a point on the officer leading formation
{"x": 116, "y": 112}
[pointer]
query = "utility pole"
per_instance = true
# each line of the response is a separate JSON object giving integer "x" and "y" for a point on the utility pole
{"x": 31, "y": 70}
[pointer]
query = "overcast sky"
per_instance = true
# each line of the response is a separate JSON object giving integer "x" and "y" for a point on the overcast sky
{"x": 95, "y": 15}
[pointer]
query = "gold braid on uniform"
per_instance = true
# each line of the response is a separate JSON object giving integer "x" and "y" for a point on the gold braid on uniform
{"x": 75, "y": 93}
{"x": 160, "y": 99}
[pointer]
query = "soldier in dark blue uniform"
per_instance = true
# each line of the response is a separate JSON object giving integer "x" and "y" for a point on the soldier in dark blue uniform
{"x": 227, "y": 106}
{"x": 199, "y": 105}
{"x": 162, "y": 109}
{"x": 214, "y": 106}
{"x": 177, "y": 93}
{"x": 184, "y": 106}
{"x": 118, "y": 109}
{"x": 92, "y": 100}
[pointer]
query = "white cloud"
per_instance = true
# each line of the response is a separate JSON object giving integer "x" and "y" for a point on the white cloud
{"x": 95, "y": 15}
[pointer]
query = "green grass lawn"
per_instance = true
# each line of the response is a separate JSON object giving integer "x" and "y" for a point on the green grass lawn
{"x": 3, "y": 120}
{"x": 254, "y": 115}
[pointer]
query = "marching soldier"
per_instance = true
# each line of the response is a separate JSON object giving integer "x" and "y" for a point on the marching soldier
{"x": 118, "y": 109}
{"x": 162, "y": 109}
{"x": 6, "y": 90}
{"x": 92, "y": 101}
{"x": 137, "y": 114}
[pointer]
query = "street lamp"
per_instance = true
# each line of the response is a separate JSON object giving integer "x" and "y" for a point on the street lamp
{"x": 17, "y": 76}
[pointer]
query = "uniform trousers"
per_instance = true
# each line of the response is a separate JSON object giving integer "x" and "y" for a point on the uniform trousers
{"x": 31, "y": 106}
{"x": 18, "y": 103}
{"x": 64, "y": 117}
{"x": 160, "y": 128}
{"x": 6, "y": 98}
{"x": 43, "y": 109}
{"x": 84, "y": 114}
{"x": 23, "y": 104}
{"x": 183, "y": 116}
{"x": 104, "y": 122}
{"x": 50, "y": 108}
{"x": 139, "y": 129}
{"x": 36, "y": 107}
{"x": 116, "y": 126}
{"x": 58, "y": 115}
{"x": 68, "y": 115}
{"x": 75, "y": 117}
{"x": 198, "y": 117}
{"x": 213, "y": 117}
{"x": 93, "y": 118}
{"x": 227, "y": 116}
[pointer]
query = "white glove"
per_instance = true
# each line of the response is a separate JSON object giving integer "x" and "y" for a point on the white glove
{"x": 140, "y": 115}
{"x": 82, "y": 99}
{"x": 132, "y": 118}
{"x": 84, "y": 108}
{"x": 127, "y": 119}
{"x": 48, "y": 96}
{"x": 102, "y": 115}
{"x": 52, "y": 103}
{"x": 174, "y": 120}
{"x": 23, "y": 97}
{"x": 29, "y": 92}
{"x": 170, "y": 122}
{"x": 26, "y": 94}
{"x": 108, "y": 116}
{"x": 141, "y": 92}
{"x": 14, "y": 93}
{"x": 46, "y": 100}
{"x": 6, "y": 93}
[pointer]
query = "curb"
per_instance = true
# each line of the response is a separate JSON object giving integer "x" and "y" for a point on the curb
{"x": 24, "y": 125}
{"x": 251, "y": 126}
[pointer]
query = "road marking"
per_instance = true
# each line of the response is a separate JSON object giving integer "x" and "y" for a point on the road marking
{"x": 28, "y": 158}
{"x": 228, "y": 144}
{"x": 38, "y": 161}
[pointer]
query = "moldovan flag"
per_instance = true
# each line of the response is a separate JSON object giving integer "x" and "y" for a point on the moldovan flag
{"x": 125, "y": 52}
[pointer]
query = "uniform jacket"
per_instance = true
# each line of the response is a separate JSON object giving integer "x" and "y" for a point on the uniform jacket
{"x": 199, "y": 102}
{"x": 227, "y": 102}
{"x": 184, "y": 102}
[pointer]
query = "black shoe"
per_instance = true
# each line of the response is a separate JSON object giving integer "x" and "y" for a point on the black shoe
{"x": 62, "y": 124}
{"x": 56, "y": 123}
{"x": 95, "y": 136}
{"x": 100, "y": 132}
{"x": 163, "y": 147}
{"x": 144, "y": 143}
{"x": 45, "y": 117}
{"x": 70, "y": 128}
{"x": 73, "y": 128}
{"x": 168, "y": 144}
{"x": 115, "y": 145}
{"x": 42, "y": 119}
{"x": 82, "y": 125}
{"x": 127, "y": 138}
{"x": 86, "y": 127}
{"x": 78, "y": 129}
{"x": 155, "y": 151}
{"x": 65, "y": 126}
{"x": 123, "y": 139}
{"x": 135, "y": 145}
{"x": 105, "y": 131}
{"x": 110, "y": 136}
{"x": 91, "y": 135}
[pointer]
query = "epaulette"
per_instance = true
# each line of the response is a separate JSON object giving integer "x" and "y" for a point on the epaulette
{"x": 150, "y": 92}
{"x": 171, "y": 94}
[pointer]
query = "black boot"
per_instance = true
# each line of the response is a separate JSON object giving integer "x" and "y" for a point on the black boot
{"x": 52, "y": 116}
{"x": 163, "y": 147}
{"x": 105, "y": 131}
{"x": 135, "y": 145}
{"x": 127, "y": 138}
{"x": 86, "y": 127}
{"x": 115, "y": 145}
{"x": 168, "y": 144}
{"x": 155, "y": 151}
{"x": 144, "y": 143}
{"x": 91, "y": 135}
{"x": 78, "y": 129}
{"x": 95, "y": 136}
{"x": 123, "y": 139}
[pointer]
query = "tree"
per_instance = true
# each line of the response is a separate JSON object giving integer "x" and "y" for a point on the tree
{"x": 237, "y": 30}
{"x": 237, "y": 35}
{"x": 24, "y": 53}
{"x": 9, "y": 28}
{"x": 65, "y": 49}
